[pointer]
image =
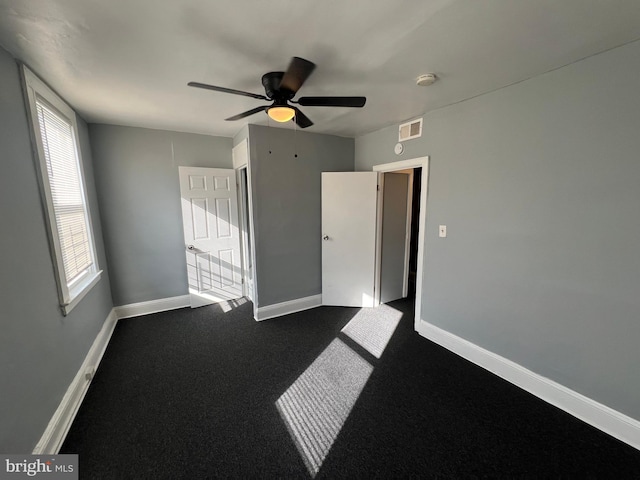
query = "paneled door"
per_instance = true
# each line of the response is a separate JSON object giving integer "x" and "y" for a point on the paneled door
{"x": 211, "y": 234}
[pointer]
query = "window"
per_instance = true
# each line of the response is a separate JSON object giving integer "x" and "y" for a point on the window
{"x": 59, "y": 163}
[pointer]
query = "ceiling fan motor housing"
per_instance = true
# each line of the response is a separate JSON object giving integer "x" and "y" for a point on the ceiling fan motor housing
{"x": 271, "y": 83}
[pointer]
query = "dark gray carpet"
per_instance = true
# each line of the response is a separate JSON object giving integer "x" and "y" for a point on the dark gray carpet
{"x": 192, "y": 394}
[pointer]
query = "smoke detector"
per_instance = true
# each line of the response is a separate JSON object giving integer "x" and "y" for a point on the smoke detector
{"x": 426, "y": 79}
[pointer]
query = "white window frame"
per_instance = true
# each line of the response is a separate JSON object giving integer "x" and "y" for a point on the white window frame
{"x": 70, "y": 294}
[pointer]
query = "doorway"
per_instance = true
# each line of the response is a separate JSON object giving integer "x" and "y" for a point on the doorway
{"x": 240, "y": 158}
{"x": 406, "y": 218}
{"x": 399, "y": 236}
{"x": 245, "y": 233}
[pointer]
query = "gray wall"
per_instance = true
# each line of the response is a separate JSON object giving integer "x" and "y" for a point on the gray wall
{"x": 40, "y": 350}
{"x": 139, "y": 193}
{"x": 241, "y": 135}
{"x": 286, "y": 207}
{"x": 539, "y": 186}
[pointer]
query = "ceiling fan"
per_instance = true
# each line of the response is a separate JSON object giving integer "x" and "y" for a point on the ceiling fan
{"x": 280, "y": 88}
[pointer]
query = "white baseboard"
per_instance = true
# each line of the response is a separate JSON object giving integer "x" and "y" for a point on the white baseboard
{"x": 284, "y": 308}
{"x": 58, "y": 427}
{"x": 152, "y": 306}
{"x": 614, "y": 423}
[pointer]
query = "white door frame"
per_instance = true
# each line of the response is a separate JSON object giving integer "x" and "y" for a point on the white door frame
{"x": 422, "y": 162}
{"x": 240, "y": 157}
{"x": 245, "y": 229}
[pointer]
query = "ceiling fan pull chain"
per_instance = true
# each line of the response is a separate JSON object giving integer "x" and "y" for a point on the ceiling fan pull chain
{"x": 269, "y": 134}
{"x": 295, "y": 130}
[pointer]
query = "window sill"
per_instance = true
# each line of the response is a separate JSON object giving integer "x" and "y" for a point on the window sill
{"x": 79, "y": 291}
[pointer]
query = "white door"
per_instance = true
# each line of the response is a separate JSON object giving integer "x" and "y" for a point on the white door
{"x": 396, "y": 229}
{"x": 349, "y": 238}
{"x": 211, "y": 234}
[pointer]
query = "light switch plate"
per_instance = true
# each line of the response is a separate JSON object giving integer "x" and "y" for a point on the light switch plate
{"x": 442, "y": 231}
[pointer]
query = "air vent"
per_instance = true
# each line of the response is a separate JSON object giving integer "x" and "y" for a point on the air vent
{"x": 409, "y": 130}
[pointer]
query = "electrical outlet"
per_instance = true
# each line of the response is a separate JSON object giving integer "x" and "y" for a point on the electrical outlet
{"x": 442, "y": 231}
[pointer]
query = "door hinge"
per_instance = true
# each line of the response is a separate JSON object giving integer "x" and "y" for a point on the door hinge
{"x": 378, "y": 187}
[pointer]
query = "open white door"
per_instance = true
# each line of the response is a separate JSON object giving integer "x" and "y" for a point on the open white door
{"x": 211, "y": 234}
{"x": 349, "y": 205}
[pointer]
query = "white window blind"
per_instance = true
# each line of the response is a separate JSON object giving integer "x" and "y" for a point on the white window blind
{"x": 66, "y": 191}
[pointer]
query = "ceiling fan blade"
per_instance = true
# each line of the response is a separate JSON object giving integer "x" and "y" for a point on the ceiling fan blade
{"x": 247, "y": 113}
{"x": 301, "y": 119}
{"x": 298, "y": 71}
{"x": 226, "y": 90}
{"x": 332, "y": 101}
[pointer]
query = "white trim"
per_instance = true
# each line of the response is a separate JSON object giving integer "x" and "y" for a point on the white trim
{"x": 91, "y": 280}
{"x": 401, "y": 164}
{"x": 240, "y": 154}
{"x": 377, "y": 268}
{"x": 252, "y": 230}
{"x": 246, "y": 241}
{"x": 604, "y": 418}
{"x": 152, "y": 306}
{"x": 59, "y": 425}
{"x": 422, "y": 162}
{"x": 285, "y": 308}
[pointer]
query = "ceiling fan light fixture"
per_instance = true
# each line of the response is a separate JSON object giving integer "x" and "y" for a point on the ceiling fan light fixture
{"x": 281, "y": 114}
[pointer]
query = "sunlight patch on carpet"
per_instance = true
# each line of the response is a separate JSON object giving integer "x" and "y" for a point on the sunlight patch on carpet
{"x": 372, "y": 328}
{"x": 231, "y": 304}
{"x": 316, "y": 406}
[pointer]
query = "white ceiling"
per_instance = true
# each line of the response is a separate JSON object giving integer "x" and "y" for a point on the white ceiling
{"x": 128, "y": 62}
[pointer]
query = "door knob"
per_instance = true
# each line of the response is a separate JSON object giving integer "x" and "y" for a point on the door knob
{"x": 326, "y": 237}
{"x": 191, "y": 247}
